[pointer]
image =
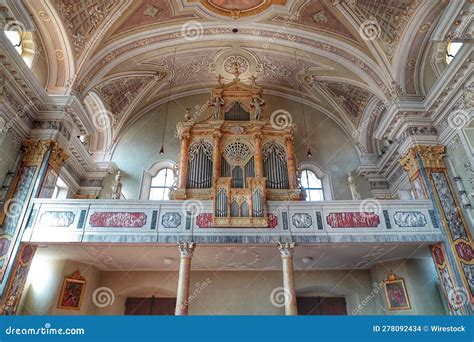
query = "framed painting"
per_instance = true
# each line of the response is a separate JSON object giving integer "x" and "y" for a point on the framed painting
{"x": 396, "y": 293}
{"x": 72, "y": 292}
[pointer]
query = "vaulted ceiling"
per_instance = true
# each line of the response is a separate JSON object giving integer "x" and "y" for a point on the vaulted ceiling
{"x": 351, "y": 57}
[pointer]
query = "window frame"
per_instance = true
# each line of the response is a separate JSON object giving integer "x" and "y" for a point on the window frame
{"x": 309, "y": 188}
{"x": 163, "y": 187}
{"x": 323, "y": 176}
{"x": 149, "y": 174}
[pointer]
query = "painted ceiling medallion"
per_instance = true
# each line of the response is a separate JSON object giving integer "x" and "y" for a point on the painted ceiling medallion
{"x": 236, "y": 65}
{"x": 238, "y": 8}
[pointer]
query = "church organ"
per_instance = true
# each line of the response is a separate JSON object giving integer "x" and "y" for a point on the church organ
{"x": 236, "y": 157}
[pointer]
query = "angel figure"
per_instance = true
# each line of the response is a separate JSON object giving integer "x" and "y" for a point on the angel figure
{"x": 353, "y": 186}
{"x": 217, "y": 102}
{"x": 257, "y": 103}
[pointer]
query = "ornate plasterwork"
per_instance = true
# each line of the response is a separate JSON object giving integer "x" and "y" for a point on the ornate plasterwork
{"x": 237, "y": 9}
{"x": 186, "y": 249}
{"x": 34, "y": 151}
{"x": 462, "y": 28}
{"x": 316, "y": 15}
{"x": 236, "y": 64}
{"x": 432, "y": 157}
{"x": 58, "y": 157}
{"x": 389, "y": 18}
{"x": 119, "y": 93}
{"x": 83, "y": 18}
{"x": 286, "y": 249}
{"x": 349, "y": 97}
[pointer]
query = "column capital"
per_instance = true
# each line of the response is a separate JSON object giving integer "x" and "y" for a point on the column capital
{"x": 432, "y": 156}
{"x": 186, "y": 249}
{"x": 34, "y": 151}
{"x": 286, "y": 248}
{"x": 58, "y": 158}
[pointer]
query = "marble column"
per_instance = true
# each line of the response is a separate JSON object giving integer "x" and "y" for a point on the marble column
{"x": 286, "y": 251}
{"x": 186, "y": 250}
{"x": 39, "y": 158}
{"x": 183, "y": 161}
{"x": 216, "y": 162}
{"x": 258, "y": 155}
{"x": 55, "y": 163}
{"x": 17, "y": 279}
{"x": 290, "y": 151}
{"x": 453, "y": 257}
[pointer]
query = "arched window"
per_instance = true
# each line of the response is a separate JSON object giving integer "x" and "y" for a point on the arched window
{"x": 161, "y": 184}
{"x": 312, "y": 185}
{"x": 156, "y": 182}
{"x": 452, "y": 50}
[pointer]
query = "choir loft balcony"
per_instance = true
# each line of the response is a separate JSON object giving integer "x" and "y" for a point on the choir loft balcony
{"x": 165, "y": 222}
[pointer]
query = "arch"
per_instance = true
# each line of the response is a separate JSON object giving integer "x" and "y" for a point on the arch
{"x": 100, "y": 142}
{"x": 352, "y": 298}
{"x": 59, "y": 54}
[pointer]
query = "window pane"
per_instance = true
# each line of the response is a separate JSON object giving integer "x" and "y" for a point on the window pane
{"x": 15, "y": 38}
{"x": 166, "y": 192}
{"x": 159, "y": 179}
{"x": 311, "y": 178}
{"x": 304, "y": 179}
{"x": 453, "y": 49}
{"x": 313, "y": 186}
{"x": 156, "y": 194}
{"x": 315, "y": 195}
{"x": 169, "y": 177}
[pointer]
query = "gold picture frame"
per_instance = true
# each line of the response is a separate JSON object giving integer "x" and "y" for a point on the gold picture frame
{"x": 396, "y": 293}
{"x": 72, "y": 292}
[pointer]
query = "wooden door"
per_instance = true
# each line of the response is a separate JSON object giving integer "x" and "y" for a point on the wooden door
{"x": 150, "y": 306}
{"x": 321, "y": 306}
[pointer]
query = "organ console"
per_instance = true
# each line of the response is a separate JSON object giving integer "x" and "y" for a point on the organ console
{"x": 237, "y": 156}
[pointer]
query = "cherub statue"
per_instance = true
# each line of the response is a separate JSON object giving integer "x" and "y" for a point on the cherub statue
{"x": 175, "y": 176}
{"x": 353, "y": 186}
{"x": 117, "y": 187}
{"x": 217, "y": 102}
{"x": 257, "y": 103}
